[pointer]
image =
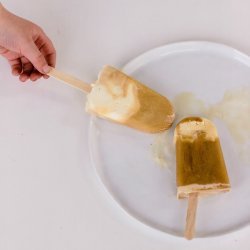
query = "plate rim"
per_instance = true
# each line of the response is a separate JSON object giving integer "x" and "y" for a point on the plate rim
{"x": 191, "y": 45}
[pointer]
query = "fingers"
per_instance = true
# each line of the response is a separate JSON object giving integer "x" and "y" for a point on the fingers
{"x": 34, "y": 55}
{"x": 27, "y": 69}
{"x": 35, "y": 75}
{"x": 23, "y": 68}
{"x": 16, "y": 66}
{"x": 47, "y": 49}
{"x": 41, "y": 54}
{"x": 14, "y": 60}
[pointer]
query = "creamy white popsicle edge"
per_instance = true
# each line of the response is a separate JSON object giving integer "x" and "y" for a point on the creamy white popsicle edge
{"x": 112, "y": 99}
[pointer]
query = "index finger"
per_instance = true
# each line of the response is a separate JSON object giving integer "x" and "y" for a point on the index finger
{"x": 46, "y": 47}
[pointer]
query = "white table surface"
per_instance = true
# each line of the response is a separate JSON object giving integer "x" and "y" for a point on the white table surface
{"x": 50, "y": 196}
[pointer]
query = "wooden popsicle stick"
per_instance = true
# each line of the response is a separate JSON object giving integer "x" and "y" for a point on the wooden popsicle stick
{"x": 71, "y": 80}
{"x": 191, "y": 215}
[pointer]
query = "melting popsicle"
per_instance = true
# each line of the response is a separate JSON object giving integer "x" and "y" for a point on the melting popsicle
{"x": 200, "y": 166}
{"x": 120, "y": 98}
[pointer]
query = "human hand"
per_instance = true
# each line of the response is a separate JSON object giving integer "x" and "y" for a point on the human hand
{"x": 28, "y": 50}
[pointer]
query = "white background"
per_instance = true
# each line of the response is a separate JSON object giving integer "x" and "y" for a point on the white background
{"x": 50, "y": 197}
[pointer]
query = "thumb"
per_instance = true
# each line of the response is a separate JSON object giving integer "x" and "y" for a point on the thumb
{"x": 34, "y": 55}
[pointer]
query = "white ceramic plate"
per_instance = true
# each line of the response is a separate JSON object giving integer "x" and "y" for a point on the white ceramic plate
{"x": 123, "y": 159}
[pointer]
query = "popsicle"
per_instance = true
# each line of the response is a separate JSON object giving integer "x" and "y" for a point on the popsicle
{"x": 200, "y": 165}
{"x": 120, "y": 98}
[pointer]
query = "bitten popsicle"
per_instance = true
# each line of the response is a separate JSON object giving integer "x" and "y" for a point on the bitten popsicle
{"x": 120, "y": 98}
{"x": 200, "y": 166}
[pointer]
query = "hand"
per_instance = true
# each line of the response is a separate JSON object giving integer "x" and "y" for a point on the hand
{"x": 26, "y": 47}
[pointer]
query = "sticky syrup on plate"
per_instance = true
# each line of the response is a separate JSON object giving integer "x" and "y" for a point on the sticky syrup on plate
{"x": 233, "y": 110}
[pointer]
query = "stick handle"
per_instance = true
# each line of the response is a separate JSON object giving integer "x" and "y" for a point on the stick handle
{"x": 191, "y": 215}
{"x": 71, "y": 80}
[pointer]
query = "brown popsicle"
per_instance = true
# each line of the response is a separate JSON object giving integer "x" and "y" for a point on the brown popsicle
{"x": 200, "y": 166}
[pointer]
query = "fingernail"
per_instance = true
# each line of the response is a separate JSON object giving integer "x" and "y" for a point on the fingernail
{"x": 15, "y": 72}
{"x": 23, "y": 78}
{"x": 46, "y": 69}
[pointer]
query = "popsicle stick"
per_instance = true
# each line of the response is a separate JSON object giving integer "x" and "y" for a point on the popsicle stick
{"x": 191, "y": 215}
{"x": 71, "y": 80}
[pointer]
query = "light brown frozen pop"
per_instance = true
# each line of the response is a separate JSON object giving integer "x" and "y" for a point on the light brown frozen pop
{"x": 120, "y": 98}
{"x": 200, "y": 166}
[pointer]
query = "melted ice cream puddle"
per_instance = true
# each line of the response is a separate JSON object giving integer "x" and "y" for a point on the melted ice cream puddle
{"x": 233, "y": 109}
{"x": 163, "y": 149}
{"x": 187, "y": 104}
